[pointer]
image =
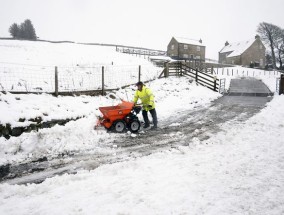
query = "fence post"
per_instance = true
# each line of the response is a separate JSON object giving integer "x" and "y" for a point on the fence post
{"x": 139, "y": 73}
{"x": 56, "y": 81}
{"x": 103, "y": 80}
{"x": 281, "y": 84}
{"x": 196, "y": 76}
{"x": 215, "y": 84}
{"x": 167, "y": 70}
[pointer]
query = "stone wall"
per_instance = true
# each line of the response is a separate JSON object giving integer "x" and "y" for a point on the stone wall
{"x": 236, "y": 60}
{"x": 7, "y": 130}
{"x": 254, "y": 53}
{"x": 179, "y": 51}
{"x": 172, "y": 52}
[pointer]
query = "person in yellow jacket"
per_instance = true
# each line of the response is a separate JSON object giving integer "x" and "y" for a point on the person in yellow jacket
{"x": 147, "y": 98}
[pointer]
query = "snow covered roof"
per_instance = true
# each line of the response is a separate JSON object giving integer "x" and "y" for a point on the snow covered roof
{"x": 189, "y": 41}
{"x": 237, "y": 48}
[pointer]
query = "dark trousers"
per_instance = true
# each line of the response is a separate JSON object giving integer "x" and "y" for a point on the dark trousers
{"x": 153, "y": 114}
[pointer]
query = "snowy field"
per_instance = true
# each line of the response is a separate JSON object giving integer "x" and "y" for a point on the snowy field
{"x": 28, "y": 66}
{"x": 239, "y": 170}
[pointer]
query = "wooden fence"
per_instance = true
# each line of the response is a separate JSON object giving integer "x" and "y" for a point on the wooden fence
{"x": 182, "y": 69}
{"x": 140, "y": 51}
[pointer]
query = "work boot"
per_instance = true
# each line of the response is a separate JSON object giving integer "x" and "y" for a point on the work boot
{"x": 146, "y": 125}
{"x": 154, "y": 127}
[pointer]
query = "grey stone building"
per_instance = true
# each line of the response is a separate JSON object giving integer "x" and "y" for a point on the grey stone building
{"x": 247, "y": 53}
{"x": 186, "y": 49}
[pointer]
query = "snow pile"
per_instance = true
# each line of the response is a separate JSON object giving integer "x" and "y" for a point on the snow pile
{"x": 238, "y": 171}
{"x": 25, "y": 107}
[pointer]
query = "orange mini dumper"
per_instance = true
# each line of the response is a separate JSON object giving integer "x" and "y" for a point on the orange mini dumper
{"x": 120, "y": 117}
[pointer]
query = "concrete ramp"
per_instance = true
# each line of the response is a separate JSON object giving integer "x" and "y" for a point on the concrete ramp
{"x": 248, "y": 87}
{"x": 247, "y": 92}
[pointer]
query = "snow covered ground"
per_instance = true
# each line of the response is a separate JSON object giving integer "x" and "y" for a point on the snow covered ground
{"x": 172, "y": 95}
{"x": 239, "y": 170}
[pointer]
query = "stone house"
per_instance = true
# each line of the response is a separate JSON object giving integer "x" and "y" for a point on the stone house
{"x": 186, "y": 49}
{"x": 250, "y": 53}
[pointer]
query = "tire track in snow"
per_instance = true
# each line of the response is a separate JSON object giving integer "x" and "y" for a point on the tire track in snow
{"x": 181, "y": 129}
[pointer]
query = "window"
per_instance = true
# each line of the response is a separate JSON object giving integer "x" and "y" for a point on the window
{"x": 233, "y": 62}
{"x": 261, "y": 62}
{"x": 173, "y": 47}
{"x": 185, "y": 55}
{"x": 198, "y": 48}
{"x": 197, "y": 57}
{"x": 185, "y": 46}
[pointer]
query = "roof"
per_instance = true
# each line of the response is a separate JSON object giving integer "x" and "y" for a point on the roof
{"x": 188, "y": 41}
{"x": 237, "y": 48}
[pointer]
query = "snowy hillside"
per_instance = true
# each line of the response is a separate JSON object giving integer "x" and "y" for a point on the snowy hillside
{"x": 14, "y": 52}
{"x": 30, "y": 66}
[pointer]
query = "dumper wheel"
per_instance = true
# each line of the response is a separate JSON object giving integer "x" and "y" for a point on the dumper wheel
{"x": 119, "y": 126}
{"x": 134, "y": 126}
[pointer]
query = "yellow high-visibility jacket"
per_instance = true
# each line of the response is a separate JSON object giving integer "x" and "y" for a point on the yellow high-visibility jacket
{"x": 147, "y": 98}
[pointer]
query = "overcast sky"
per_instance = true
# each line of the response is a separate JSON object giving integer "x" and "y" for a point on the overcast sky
{"x": 144, "y": 23}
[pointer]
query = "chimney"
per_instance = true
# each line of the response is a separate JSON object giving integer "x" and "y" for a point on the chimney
{"x": 200, "y": 40}
{"x": 226, "y": 43}
{"x": 257, "y": 36}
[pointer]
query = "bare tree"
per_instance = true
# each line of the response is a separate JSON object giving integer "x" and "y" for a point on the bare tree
{"x": 269, "y": 34}
{"x": 268, "y": 59}
{"x": 279, "y": 45}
